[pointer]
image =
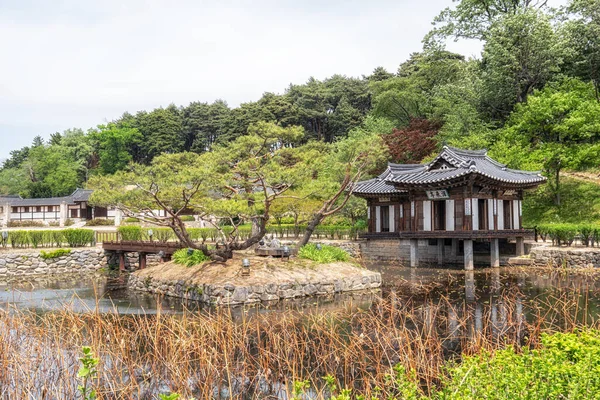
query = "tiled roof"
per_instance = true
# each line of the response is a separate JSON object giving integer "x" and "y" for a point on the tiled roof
{"x": 78, "y": 195}
{"x": 450, "y": 164}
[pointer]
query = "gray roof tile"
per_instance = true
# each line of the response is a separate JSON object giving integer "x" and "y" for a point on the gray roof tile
{"x": 450, "y": 164}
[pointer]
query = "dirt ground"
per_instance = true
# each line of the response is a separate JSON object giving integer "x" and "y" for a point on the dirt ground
{"x": 263, "y": 270}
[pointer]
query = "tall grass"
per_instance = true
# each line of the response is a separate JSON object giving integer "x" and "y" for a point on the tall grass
{"x": 211, "y": 355}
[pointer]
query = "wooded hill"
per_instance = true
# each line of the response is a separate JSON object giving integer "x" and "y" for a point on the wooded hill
{"x": 531, "y": 98}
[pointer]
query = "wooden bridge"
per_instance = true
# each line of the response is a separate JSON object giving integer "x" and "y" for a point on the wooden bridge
{"x": 143, "y": 248}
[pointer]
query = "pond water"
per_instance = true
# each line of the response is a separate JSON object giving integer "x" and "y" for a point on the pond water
{"x": 479, "y": 288}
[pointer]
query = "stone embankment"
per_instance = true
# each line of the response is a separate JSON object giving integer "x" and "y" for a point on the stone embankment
{"x": 27, "y": 263}
{"x": 565, "y": 257}
{"x": 223, "y": 285}
{"x": 80, "y": 260}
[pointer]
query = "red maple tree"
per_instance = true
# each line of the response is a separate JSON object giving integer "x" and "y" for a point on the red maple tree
{"x": 414, "y": 142}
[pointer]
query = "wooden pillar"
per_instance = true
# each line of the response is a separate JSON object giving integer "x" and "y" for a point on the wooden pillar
{"x": 468, "y": 244}
{"x": 520, "y": 246}
{"x": 455, "y": 247}
{"x": 121, "y": 261}
{"x": 414, "y": 253}
{"x": 494, "y": 253}
{"x": 440, "y": 252}
{"x": 142, "y": 260}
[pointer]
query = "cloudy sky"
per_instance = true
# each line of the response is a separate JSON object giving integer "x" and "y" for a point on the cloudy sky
{"x": 79, "y": 63}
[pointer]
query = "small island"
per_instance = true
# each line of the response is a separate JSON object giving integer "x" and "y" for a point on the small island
{"x": 266, "y": 279}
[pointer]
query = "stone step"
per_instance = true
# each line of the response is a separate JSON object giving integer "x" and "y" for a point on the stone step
{"x": 520, "y": 261}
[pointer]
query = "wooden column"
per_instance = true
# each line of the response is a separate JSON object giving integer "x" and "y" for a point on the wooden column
{"x": 121, "y": 261}
{"x": 468, "y": 244}
{"x": 494, "y": 253}
{"x": 142, "y": 260}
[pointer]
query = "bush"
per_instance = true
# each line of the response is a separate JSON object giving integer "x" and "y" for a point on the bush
{"x": 187, "y": 218}
{"x": 69, "y": 222}
{"x": 564, "y": 368}
{"x": 100, "y": 222}
{"x": 131, "y": 220}
{"x": 327, "y": 254}
{"x": 25, "y": 224}
{"x": 183, "y": 257}
{"x": 79, "y": 237}
{"x": 18, "y": 238}
{"x": 130, "y": 232}
{"x": 55, "y": 253}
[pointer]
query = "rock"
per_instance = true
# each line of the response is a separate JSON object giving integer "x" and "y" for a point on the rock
{"x": 240, "y": 294}
{"x": 229, "y": 286}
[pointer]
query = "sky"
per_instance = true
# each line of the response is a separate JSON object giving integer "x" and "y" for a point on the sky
{"x": 79, "y": 63}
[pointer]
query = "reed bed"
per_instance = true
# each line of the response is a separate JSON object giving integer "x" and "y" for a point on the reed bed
{"x": 214, "y": 356}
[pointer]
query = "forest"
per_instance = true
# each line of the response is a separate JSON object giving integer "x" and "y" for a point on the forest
{"x": 532, "y": 98}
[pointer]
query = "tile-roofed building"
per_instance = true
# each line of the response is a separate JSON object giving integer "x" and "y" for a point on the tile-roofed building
{"x": 459, "y": 197}
{"x": 52, "y": 209}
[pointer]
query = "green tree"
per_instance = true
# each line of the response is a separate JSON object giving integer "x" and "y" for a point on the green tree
{"x": 521, "y": 54}
{"x": 472, "y": 19}
{"x": 114, "y": 146}
{"x": 234, "y": 182}
{"x": 583, "y": 38}
{"x": 556, "y": 129}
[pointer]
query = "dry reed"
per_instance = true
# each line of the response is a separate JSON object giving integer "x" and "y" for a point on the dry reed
{"x": 212, "y": 355}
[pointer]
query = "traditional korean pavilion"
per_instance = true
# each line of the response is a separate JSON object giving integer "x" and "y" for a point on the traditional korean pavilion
{"x": 440, "y": 210}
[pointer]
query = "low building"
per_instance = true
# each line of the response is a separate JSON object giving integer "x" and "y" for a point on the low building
{"x": 52, "y": 210}
{"x": 438, "y": 211}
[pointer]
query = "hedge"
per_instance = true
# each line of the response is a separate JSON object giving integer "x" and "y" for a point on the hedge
{"x": 135, "y": 232}
{"x": 566, "y": 234}
{"x": 49, "y": 238}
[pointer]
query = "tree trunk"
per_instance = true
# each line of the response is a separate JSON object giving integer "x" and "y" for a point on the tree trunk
{"x": 310, "y": 228}
{"x": 557, "y": 194}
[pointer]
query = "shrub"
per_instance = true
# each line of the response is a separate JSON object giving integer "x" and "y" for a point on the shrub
{"x": 565, "y": 367}
{"x": 131, "y": 220}
{"x": 69, "y": 222}
{"x": 54, "y": 253}
{"x": 25, "y": 224}
{"x": 327, "y": 254}
{"x": 36, "y": 238}
{"x": 18, "y": 238}
{"x": 130, "y": 232}
{"x": 187, "y": 218}
{"x": 162, "y": 234}
{"x": 183, "y": 257}
{"x": 100, "y": 222}
{"x": 79, "y": 237}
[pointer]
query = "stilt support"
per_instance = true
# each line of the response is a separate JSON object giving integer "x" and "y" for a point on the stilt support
{"x": 142, "y": 260}
{"x": 440, "y": 252}
{"x": 121, "y": 261}
{"x": 468, "y": 255}
{"x": 520, "y": 247}
{"x": 414, "y": 253}
{"x": 494, "y": 253}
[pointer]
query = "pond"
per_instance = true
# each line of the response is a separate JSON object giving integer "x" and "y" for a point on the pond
{"x": 479, "y": 288}
{"x": 422, "y": 317}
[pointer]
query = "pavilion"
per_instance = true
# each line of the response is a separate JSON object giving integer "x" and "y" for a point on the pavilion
{"x": 460, "y": 197}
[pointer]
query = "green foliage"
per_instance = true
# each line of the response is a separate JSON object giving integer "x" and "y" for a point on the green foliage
{"x": 87, "y": 372}
{"x": 131, "y": 220}
{"x": 565, "y": 367}
{"x": 115, "y": 145}
{"x": 79, "y": 237}
{"x": 130, "y": 232}
{"x": 327, "y": 254}
{"x": 187, "y": 218}
{"x": 100, "y": 222}
{"x": 183, "y": 257}
{"x": 54, "y": 253}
